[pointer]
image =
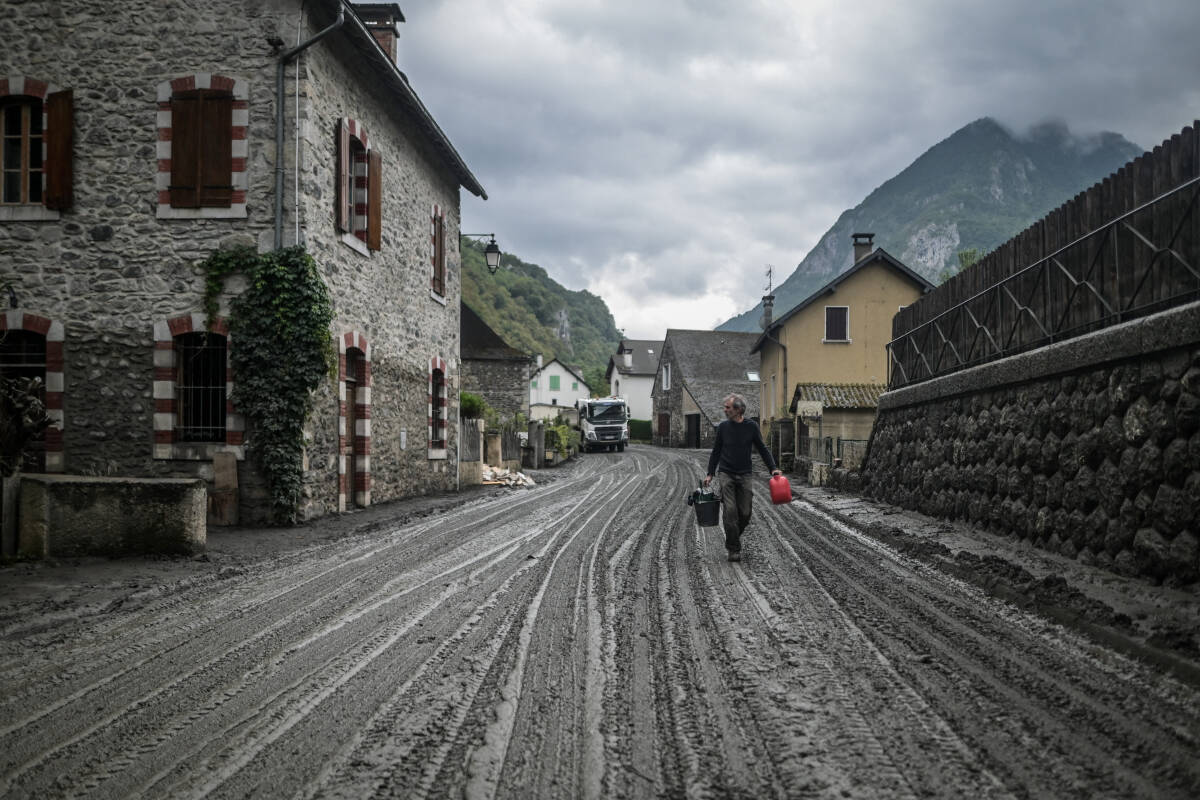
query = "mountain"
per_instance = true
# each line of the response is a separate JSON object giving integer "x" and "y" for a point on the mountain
{"x": 534, "y": 313}
{"x": 974, "y": 190}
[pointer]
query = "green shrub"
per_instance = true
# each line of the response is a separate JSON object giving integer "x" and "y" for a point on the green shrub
{"x": 561, "y": 438}
{"x": 472, "y": 406}
{"x": 640, "y": 430}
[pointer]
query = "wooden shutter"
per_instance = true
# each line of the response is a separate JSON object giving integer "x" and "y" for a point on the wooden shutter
{"x": 185, "y": 151}
{"x": 216, "y": 150}
{"x": 439, "y": 254}
{"x": 60, "y": 133}
{"x": 374, "y": 200}
{"x": 345, "y": 199}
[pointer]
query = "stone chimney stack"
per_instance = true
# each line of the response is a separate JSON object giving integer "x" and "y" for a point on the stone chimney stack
{"x": 383, "y": 21}
{"x": 863, "y": 245}
{"x": 768, "y": 311}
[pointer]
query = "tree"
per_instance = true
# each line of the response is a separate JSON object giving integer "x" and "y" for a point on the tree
{"x": 966, "y": 258}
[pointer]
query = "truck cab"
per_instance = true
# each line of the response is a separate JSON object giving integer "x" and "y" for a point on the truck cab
{"x": 603, "y": 423}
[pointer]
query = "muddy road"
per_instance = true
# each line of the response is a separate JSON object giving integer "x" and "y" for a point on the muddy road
{"x": 586, "y": 639}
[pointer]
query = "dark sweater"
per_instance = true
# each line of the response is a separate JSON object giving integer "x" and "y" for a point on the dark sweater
{"x": 731, "y": 451}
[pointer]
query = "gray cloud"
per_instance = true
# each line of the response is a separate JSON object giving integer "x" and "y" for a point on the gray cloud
{"x": 661, "y": 154}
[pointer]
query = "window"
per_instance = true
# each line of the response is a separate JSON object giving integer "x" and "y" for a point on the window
{"x": 21, "y": 156}
{"x": 438, "y": 252}
{"x": 201, "y": 149}
{"x": 23, "y": 355}
{"x": 574, "y": 386}
{"x": 35, "y": 149}
{"x": 200, "y": 387}
{"x": 437, "y": 419}
{"x": 666, "y": 377}
{"x": 554, "y": 383}
{"x": 837, "y": 324}
{"x": 752, "y": 375}
{"x": 359, "y": 188}
{"x": 438, "y": 409}
{"x": 533, "y": 384}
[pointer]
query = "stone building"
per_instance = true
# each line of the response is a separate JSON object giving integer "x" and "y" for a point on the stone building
{"x": 492, "y": 369}
{"x": 139, "y": 149}
{"x": 696, "y": 372}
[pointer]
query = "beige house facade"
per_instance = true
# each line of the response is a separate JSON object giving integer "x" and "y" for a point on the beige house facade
{"x": 823, "y": 364}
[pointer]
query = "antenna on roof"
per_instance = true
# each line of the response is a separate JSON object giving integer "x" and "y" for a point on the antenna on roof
{"x": 770, "y": 276}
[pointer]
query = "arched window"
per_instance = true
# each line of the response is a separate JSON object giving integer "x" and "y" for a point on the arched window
{"x": 23, "y": 355}
{"x": 200, "y": 378}
{"x": 437, "y": 420}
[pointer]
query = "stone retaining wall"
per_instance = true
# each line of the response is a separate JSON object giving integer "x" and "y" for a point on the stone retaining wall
{"x": 70, "y": 515}
{"x": 1089, "y": 448}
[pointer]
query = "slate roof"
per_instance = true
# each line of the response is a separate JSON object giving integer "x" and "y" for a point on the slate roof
{"x": 645, "y": 358}
{"x": 713, "y": 365}
{"x": 481, "y": 343}
{"x": 839, "y": 395}
{"x": 396, "y": 90}
{"x": 877, "y": 254}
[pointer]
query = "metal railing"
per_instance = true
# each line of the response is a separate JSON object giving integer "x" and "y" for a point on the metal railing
{"x": 1142, "y": 261}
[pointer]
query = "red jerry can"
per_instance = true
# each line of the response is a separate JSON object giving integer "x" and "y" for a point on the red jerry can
{"x": 781, "y": 490}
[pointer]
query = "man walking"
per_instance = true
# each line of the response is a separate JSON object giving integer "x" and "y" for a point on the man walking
{"x": 731, "y": 454}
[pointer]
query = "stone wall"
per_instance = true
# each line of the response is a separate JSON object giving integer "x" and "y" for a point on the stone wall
{"x": 1089, "y": 448}
{"x": 109, "y": 267}
{"x": 503, "y": 384}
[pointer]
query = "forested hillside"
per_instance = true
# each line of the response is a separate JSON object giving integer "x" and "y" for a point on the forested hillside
{"x": 534, "y": 313}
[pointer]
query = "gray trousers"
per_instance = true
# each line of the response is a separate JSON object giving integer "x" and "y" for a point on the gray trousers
{"x": 736, "y": 498}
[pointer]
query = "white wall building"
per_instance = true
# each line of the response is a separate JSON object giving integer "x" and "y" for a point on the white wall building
{"x": 631, "y": 372}
{"x": 555, "y": 385}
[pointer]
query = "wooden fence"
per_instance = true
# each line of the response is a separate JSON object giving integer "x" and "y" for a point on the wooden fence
{"x": 1126, "y": 247}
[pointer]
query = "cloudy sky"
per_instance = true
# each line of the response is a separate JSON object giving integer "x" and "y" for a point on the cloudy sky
{"x": 661, "y": 153}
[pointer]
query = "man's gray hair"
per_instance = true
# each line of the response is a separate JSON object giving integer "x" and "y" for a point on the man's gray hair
{"x": 738, "y": 402}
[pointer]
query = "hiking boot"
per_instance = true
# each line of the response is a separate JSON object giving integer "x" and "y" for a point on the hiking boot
{"x": 735, "y": 555}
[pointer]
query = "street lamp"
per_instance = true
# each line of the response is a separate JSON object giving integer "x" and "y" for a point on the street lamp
{"x": 491, "y": 253}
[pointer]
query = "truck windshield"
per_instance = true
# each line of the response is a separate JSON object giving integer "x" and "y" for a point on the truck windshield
{"x": 606, "y": 413}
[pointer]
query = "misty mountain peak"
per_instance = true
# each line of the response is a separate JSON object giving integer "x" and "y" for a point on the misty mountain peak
{"x": 975, "y": 189}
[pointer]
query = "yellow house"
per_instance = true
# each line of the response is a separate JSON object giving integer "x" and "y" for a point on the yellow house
{"x": 824, "y": 362}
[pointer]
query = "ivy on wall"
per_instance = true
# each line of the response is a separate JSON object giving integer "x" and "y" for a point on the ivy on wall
{"x": 281, "y": 350}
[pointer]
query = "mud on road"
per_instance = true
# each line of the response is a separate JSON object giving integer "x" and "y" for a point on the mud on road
{"x": 582, "y": 639}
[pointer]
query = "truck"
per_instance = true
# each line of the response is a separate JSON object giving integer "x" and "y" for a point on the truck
{"x": 603, "y": 423}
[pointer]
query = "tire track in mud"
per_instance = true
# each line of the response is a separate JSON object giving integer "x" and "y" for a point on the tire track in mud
{"x": 587, "y": 639}
{"x": 129, "y": 706}
{"x": 997, "y": 675}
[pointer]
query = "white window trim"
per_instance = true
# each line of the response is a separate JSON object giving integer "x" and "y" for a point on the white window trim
{"x": 240, "y": 150}
{"x": 826, "y": 339}
{"x": 354, "y": 243}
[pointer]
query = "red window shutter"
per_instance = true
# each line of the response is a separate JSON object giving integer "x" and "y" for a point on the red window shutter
{"x": 345, "y": 198}
{"x": 60, "y": 133}
{"x": 185, "y": 151}
{"x": 374, "y": 200}
{"x": 216, "y": 150}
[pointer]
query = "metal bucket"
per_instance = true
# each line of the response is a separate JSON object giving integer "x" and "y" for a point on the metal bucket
{"x": 707, "y": 506}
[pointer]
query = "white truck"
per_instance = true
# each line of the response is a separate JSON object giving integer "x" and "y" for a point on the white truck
{"x": 603, "y": 423}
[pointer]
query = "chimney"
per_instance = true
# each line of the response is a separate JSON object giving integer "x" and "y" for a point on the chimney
{"x": 628, "y": 358}
{"x": 863, "y": 245}
{"x": 768, "y": 311}
{"x": 539, "y": 361}
{"x": 383, "y": 21}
